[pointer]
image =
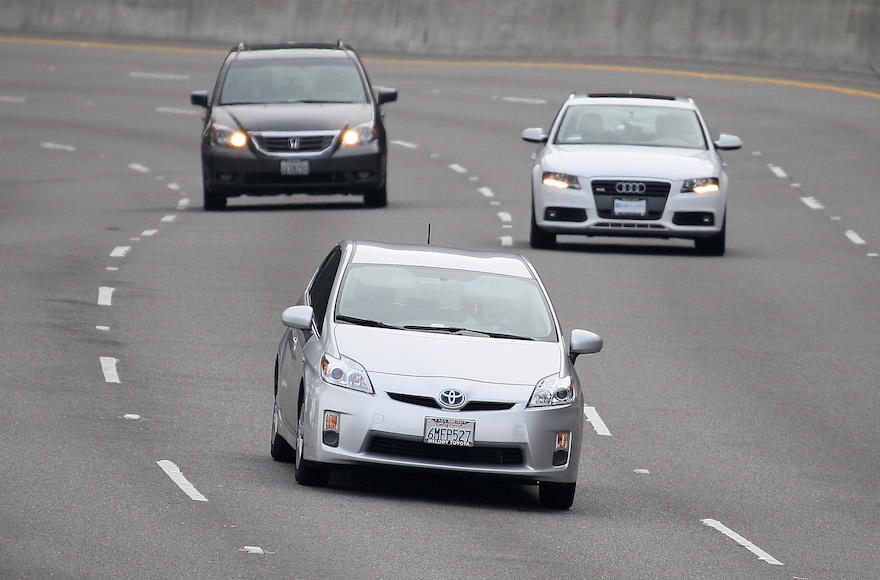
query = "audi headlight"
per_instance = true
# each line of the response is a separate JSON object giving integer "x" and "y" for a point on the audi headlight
{"x": 560, "y": 180}
{"x": 226, "y": 137}
{"x": 345, "y": 372}
{"x": 552, "y": 390}
{"x": 702, "y": 185}
{"x": 359, "y": 135}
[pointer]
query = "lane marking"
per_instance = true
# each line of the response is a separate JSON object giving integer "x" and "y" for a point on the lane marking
{"x": 506, "y": 240}
{"x": 458, "y": 168}
{"x": 57, "y": 146}
{"x": 108, "y": 367}
{"x": 253, "y": 550}
{"x": 761, "y": 554}
{"x": 177, "y": 477}
{"x": 11, "y": 99}
{"x": 812, "y": 203}
{"x": 177, "y": 111}
{"x": 102, "y": 328}
{"x": 139, "y": 168}
{"x": 120, "y": 251}
{"x": 105, "y": 295}
{"x": 158, "y": 76}
{"x": 148, "y": 233}
{"x": 778, "y": 171}
{"x": 505, "y": 217}
{"x": 405, "y": 144}
{"x": 486, "y": 192}
{"x": 854, "y": 237}
{"x": 524, "y": 101}
{"x": 168, "y": 219}
{"x": 183, "y": 203}
{"x": 596, "y": 421}
{"x": 174, "y": 186}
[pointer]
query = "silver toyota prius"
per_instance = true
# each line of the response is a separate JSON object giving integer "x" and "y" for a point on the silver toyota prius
{"x": 433, "y": 358}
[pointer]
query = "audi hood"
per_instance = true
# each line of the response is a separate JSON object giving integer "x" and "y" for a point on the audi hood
{"x": 634, "y": 161}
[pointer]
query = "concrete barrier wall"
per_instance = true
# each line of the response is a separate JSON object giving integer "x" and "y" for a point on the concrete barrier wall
{"x": 818, "y": 34}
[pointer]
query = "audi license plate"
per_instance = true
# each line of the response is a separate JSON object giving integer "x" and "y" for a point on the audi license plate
{"x": 294, "y": 167}
{"x": 630, "y": 207}
{"x": 449, "y": 431}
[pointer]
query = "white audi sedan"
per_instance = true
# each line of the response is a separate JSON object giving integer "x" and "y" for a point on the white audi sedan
{"x": 431, "y": 358}
{"x": 630, "y": 165}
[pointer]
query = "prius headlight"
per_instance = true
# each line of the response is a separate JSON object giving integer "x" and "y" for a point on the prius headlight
{"x": 345, "y": 372}
{"x": 226, "y": 137}
{"x": 560, "y": 180}
{"x": 702, "y": 185}
{"x": 552, "y": 390}
{"x": 359, "y": 135}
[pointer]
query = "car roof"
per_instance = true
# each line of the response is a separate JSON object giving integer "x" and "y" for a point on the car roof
{"x": 286, "y": 50}
{"x": 503, "y": 263}
{"x": 631, "y": 99}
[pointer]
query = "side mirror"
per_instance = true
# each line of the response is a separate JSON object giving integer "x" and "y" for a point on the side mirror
{"x": 384, "y": 95}
{"x": 534, "y": 135}
{"x": 727, "y": 142}
{"x": 298, "y": 317}
{"x": 583, "y": 342}
{"x": 199, "y": 98}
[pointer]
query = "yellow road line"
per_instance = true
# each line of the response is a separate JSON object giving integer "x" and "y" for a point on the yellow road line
{"x": 513, "y": 64}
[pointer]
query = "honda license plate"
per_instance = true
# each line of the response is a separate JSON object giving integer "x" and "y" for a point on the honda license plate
{"x": 297, "y": 167}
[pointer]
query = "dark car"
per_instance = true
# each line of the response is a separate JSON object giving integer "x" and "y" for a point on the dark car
{"x": 293, "y": 118}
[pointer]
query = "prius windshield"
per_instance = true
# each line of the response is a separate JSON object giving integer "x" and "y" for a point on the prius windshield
{"x": 441, "y": 300}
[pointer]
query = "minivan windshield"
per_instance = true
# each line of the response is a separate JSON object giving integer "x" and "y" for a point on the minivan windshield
{"x": 296, "y": 80}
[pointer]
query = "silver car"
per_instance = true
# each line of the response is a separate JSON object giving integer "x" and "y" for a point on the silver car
{"x": 630, "y": 165}
{"x": 433, "y": 358}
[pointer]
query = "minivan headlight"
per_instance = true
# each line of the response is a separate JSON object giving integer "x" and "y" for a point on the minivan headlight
{"x": 359, "y": 135}
{"x": 345, "y": 372}
{"x": 552, "y": 390}
{"x": 226, "y": 137}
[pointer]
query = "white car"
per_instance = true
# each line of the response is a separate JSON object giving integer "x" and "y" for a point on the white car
{"x": 630, "y": 165}
{"x": 430, "y": 358}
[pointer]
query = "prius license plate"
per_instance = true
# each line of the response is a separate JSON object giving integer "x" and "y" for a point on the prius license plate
{"x": 297, "y": 167}
{"x": 630, "y": 207}
{"x": 458, "y": 432}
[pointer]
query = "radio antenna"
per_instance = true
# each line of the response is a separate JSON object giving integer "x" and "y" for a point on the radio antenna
{"x": 429, "y": 233}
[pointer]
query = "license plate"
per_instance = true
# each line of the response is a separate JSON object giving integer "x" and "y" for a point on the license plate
{"x": 294, "y": 167}
{"x": 630, "y": 207}
{"x": 449, "y": 431}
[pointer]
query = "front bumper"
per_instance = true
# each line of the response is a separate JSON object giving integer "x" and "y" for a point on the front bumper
{"x": 375, "y": 429}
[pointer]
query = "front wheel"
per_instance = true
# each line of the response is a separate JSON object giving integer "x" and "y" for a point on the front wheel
{"x": 213, "y": 201}
{"x": 307, "y": 472}
{"x": 558, "y": 496}
{"x": 280, "y": 448}
{"x": 713, "y": 245}
{"x": 376, "y": 198}
{"x": 539, "y": 238}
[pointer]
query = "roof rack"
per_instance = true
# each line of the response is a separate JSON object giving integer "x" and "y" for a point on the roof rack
{"x": 338, "y": 45}
{"x": 630, "y": 96}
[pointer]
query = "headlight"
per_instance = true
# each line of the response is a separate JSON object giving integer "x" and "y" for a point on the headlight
{"x": 560, "y": 180}
{"x": 552, "y": 390}
{"x": 226, "y": 137}
{"x": 702, "y": 185}
{"x": 359, "y": 135}
{"x": 344, "y": 372}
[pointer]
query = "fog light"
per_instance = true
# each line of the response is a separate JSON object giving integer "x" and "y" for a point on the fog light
{"x": 227, "y": 177}
{"x": 560, "y": 455}
{"x": 330, "y": 436}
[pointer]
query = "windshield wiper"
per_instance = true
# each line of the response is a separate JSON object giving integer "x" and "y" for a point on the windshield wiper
{"x": 465, "y": 331}
{"x": 364, "y": 322}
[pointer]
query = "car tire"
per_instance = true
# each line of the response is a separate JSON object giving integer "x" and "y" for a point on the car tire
{"x": 213, "y": 201}
{"x": 307, "y": 472}
{"x": 280, "y": 448}
{"x": 713, "y": 245}
{"x": 558, "y": 496}
{"x": 376, "y": 198}
{"x": 539, "y": 238}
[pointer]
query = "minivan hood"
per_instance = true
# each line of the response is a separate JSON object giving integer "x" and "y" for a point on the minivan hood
{"x": 428, "y": 354}
{"x": 296, "y": 116}
{"x": 632, "y": 161}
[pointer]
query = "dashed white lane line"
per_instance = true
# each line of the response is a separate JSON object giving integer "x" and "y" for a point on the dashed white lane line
{"x": 120, "y": 251}
{"x": 158, "y": 76}
{"x": 177, "y": 111}
{"x": 183, "y": 203}
{"x": 148, "y": 233}
{"x": 761, "y": 554}
{"x": 812, "y": 203}
{"x": 505, "y": 217}
{"x": 486, "y": 192}
{"x": 854, "y": 237}
{"x": 596, "y": 421}
{"x": 522, "y": 100}
{"x": 168, "y": 219}
{"x": 778, "y": 171}
{"x": 57, "y": 146}
{"x": 139, "y": 168}
{"x": 105, "y": 296}
{"x": 177, "y": 477}
{"x": 405, "y": 144}
{"x": 108, "y": 367}
{"x": 174, "y": 186}
{"x": 458, "y": 168}
{"x": 506, "y": 240}
{"x": 12, "y": 99}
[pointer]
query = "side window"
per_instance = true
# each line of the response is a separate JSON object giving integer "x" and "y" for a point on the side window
{"x": 319, "y": 292}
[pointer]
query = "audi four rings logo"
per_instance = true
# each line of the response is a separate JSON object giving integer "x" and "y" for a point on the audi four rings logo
{"x": 293, "y": 143}
{"x": 630, "y": 187}
{"x": 452, "y": 398}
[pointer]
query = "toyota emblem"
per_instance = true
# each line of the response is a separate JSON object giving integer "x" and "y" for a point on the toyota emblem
{"x": 452, "y": 399}
{"x": 631, "y": 187}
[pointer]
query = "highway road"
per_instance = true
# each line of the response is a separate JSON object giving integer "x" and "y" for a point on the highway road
{"x": 734, "y": 416}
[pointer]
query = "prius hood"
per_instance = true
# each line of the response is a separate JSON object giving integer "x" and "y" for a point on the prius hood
{"x": 436, "y": 355}
{"x": 633, "y": 161}
{"x": 295, "y": 116}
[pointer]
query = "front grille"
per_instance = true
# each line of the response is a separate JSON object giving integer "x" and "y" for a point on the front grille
{"x": 432, "y": 403}
{"x": 292, "y": 143}
{"x": 446, "y": 453}
{"x": 605, "y": 191}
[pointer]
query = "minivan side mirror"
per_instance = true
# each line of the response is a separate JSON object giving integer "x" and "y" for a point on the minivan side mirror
{"x": 199, "y": 98}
